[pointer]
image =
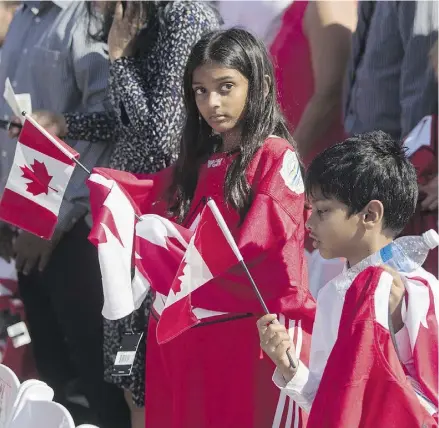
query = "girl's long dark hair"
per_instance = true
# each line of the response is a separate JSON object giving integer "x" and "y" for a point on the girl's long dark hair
{"x": 148, "y": 14}
{"x": 236, "y": 49}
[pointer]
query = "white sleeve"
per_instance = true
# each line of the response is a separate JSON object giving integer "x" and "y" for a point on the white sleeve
{"x": 301, "y": 388}
{"x": 305, "y": 383}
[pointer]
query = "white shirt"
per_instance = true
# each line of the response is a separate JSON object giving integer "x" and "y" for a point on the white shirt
{"x": 304, "y": 385}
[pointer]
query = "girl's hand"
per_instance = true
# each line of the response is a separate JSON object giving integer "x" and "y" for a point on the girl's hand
{"x": 275, "y": 342}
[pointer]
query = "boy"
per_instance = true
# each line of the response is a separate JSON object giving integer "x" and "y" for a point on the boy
{"x": 363, "y": 192}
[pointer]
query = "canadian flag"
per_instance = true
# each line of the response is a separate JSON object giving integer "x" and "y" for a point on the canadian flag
{"x": 160, "y": 246}
{"x": 40, "y": 173}
{"x": 211, "y": 252}
{"x": 365, "y": 382}
{"x": 152, "y": 244}
{"x": 113, "y": 234}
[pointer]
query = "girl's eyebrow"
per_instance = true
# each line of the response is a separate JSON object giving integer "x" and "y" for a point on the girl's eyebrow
{"x": 219, "y": 79}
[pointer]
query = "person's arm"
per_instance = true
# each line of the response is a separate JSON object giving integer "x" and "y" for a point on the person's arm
{"x": 151, "y": 98}
{"x": 89, "y": 68}
{"x": 329, "y": 26}
{"x": 93, "y": 127}
{"x": 418, "y": 27}
{"x": 295, "y": 382}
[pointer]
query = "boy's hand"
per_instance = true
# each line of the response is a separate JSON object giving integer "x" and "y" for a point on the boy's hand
{"x": 275, "y": 341}
{"x": 396, "y": 297}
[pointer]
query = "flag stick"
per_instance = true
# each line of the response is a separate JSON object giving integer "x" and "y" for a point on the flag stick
{"x": 54, "y": 141}
{"x": 229, "y": 238}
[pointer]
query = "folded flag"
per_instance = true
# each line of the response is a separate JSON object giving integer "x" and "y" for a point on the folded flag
{"x": 113, "y": 234}
{"x": 40, "y": 173}
{"x": 208, "y": 255}
{"x": 148, "y": 246}
{"x": 160, "y": 245}
{"x": 365, "y": 382}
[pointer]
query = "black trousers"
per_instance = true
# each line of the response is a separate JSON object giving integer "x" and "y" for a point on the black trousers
{"x": 63, "y": 307}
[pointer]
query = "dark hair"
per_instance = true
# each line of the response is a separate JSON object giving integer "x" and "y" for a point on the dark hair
{"x": 149, "y": 16}
{"x": 366, "y": 167}
{"x": 239, "y": 50}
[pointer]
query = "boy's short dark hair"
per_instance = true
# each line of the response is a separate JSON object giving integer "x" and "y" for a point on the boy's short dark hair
{"x": 365, "y": 167}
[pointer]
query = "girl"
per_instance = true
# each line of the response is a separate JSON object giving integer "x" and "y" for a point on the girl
{"x": 236, "y": 149}
{"x": 149, "y": 44}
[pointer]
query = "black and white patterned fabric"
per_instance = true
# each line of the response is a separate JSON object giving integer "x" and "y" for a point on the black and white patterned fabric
{"x": 144, "y": 124}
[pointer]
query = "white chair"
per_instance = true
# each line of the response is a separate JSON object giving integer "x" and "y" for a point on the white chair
{"x": 87, "y": 426}
{"x": 42, "y": 414}
{"x": 30, "y": 390}
{"x": 9, "y": 386}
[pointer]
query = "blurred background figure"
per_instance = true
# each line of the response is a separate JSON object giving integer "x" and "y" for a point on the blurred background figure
{"x": 310, "y": 53}
{"x": 390, "y": 83}
{"x": 422, "y": 141}
{"x": 391, "y": 86}
{"x": 262, "y": 18}
{"x": 7, "y": 10}
{"x": 48, "y": 55}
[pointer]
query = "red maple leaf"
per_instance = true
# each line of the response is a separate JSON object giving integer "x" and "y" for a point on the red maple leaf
{"x": 39, "y": 178}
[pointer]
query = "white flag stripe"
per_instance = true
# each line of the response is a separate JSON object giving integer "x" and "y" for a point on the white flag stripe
{"x": 291, "y": 407}
{"x": 52, "y": 139}
{"x": 115, "y": 259}
{"x": 223, "y": 226}
{"x": 11, "y": 99}
{"x": 419, "y": 136}
{"x": 60, "y": 172}
{"x": 100, "y": 179}
{"x": 140, "y": 286}
{"x": 418, "y": 307}
{"x": 156, "y": 229}
{"x": 288, "y": 422}
{"x": 196, "y": 273}
{"x": 282, "y": 395}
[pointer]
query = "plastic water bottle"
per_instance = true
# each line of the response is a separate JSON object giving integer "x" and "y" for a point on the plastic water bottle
{"x": 407, "y": 253}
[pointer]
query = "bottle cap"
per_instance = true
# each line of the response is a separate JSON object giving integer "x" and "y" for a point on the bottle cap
{"x": 431, "y": 238}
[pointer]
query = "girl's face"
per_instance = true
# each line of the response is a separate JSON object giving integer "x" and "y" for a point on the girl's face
{"x": 221, "y": 96}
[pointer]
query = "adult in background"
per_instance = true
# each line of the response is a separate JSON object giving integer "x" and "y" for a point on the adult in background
{"x": 7, "y": 10}
{"x": 47, "y": 54}
{"x": 262, "y": 18}
{"x": 149, "y": 44}
{"x": 392, "y": 85}
{"x": 311, "y": 53}
{"x": 422, "y": 142}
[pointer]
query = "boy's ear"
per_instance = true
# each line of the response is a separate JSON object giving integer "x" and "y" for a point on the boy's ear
{"x": 372, "y": 214}
{"x": 267, "y": 84}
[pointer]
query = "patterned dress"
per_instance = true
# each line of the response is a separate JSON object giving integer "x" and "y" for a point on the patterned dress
{"x": 144, "y": 123}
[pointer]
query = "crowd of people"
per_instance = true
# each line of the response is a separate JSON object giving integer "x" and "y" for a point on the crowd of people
{"x": 292, "y": 116}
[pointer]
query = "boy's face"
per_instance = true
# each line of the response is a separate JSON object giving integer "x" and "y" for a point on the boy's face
{"x": 334, "y": 233}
